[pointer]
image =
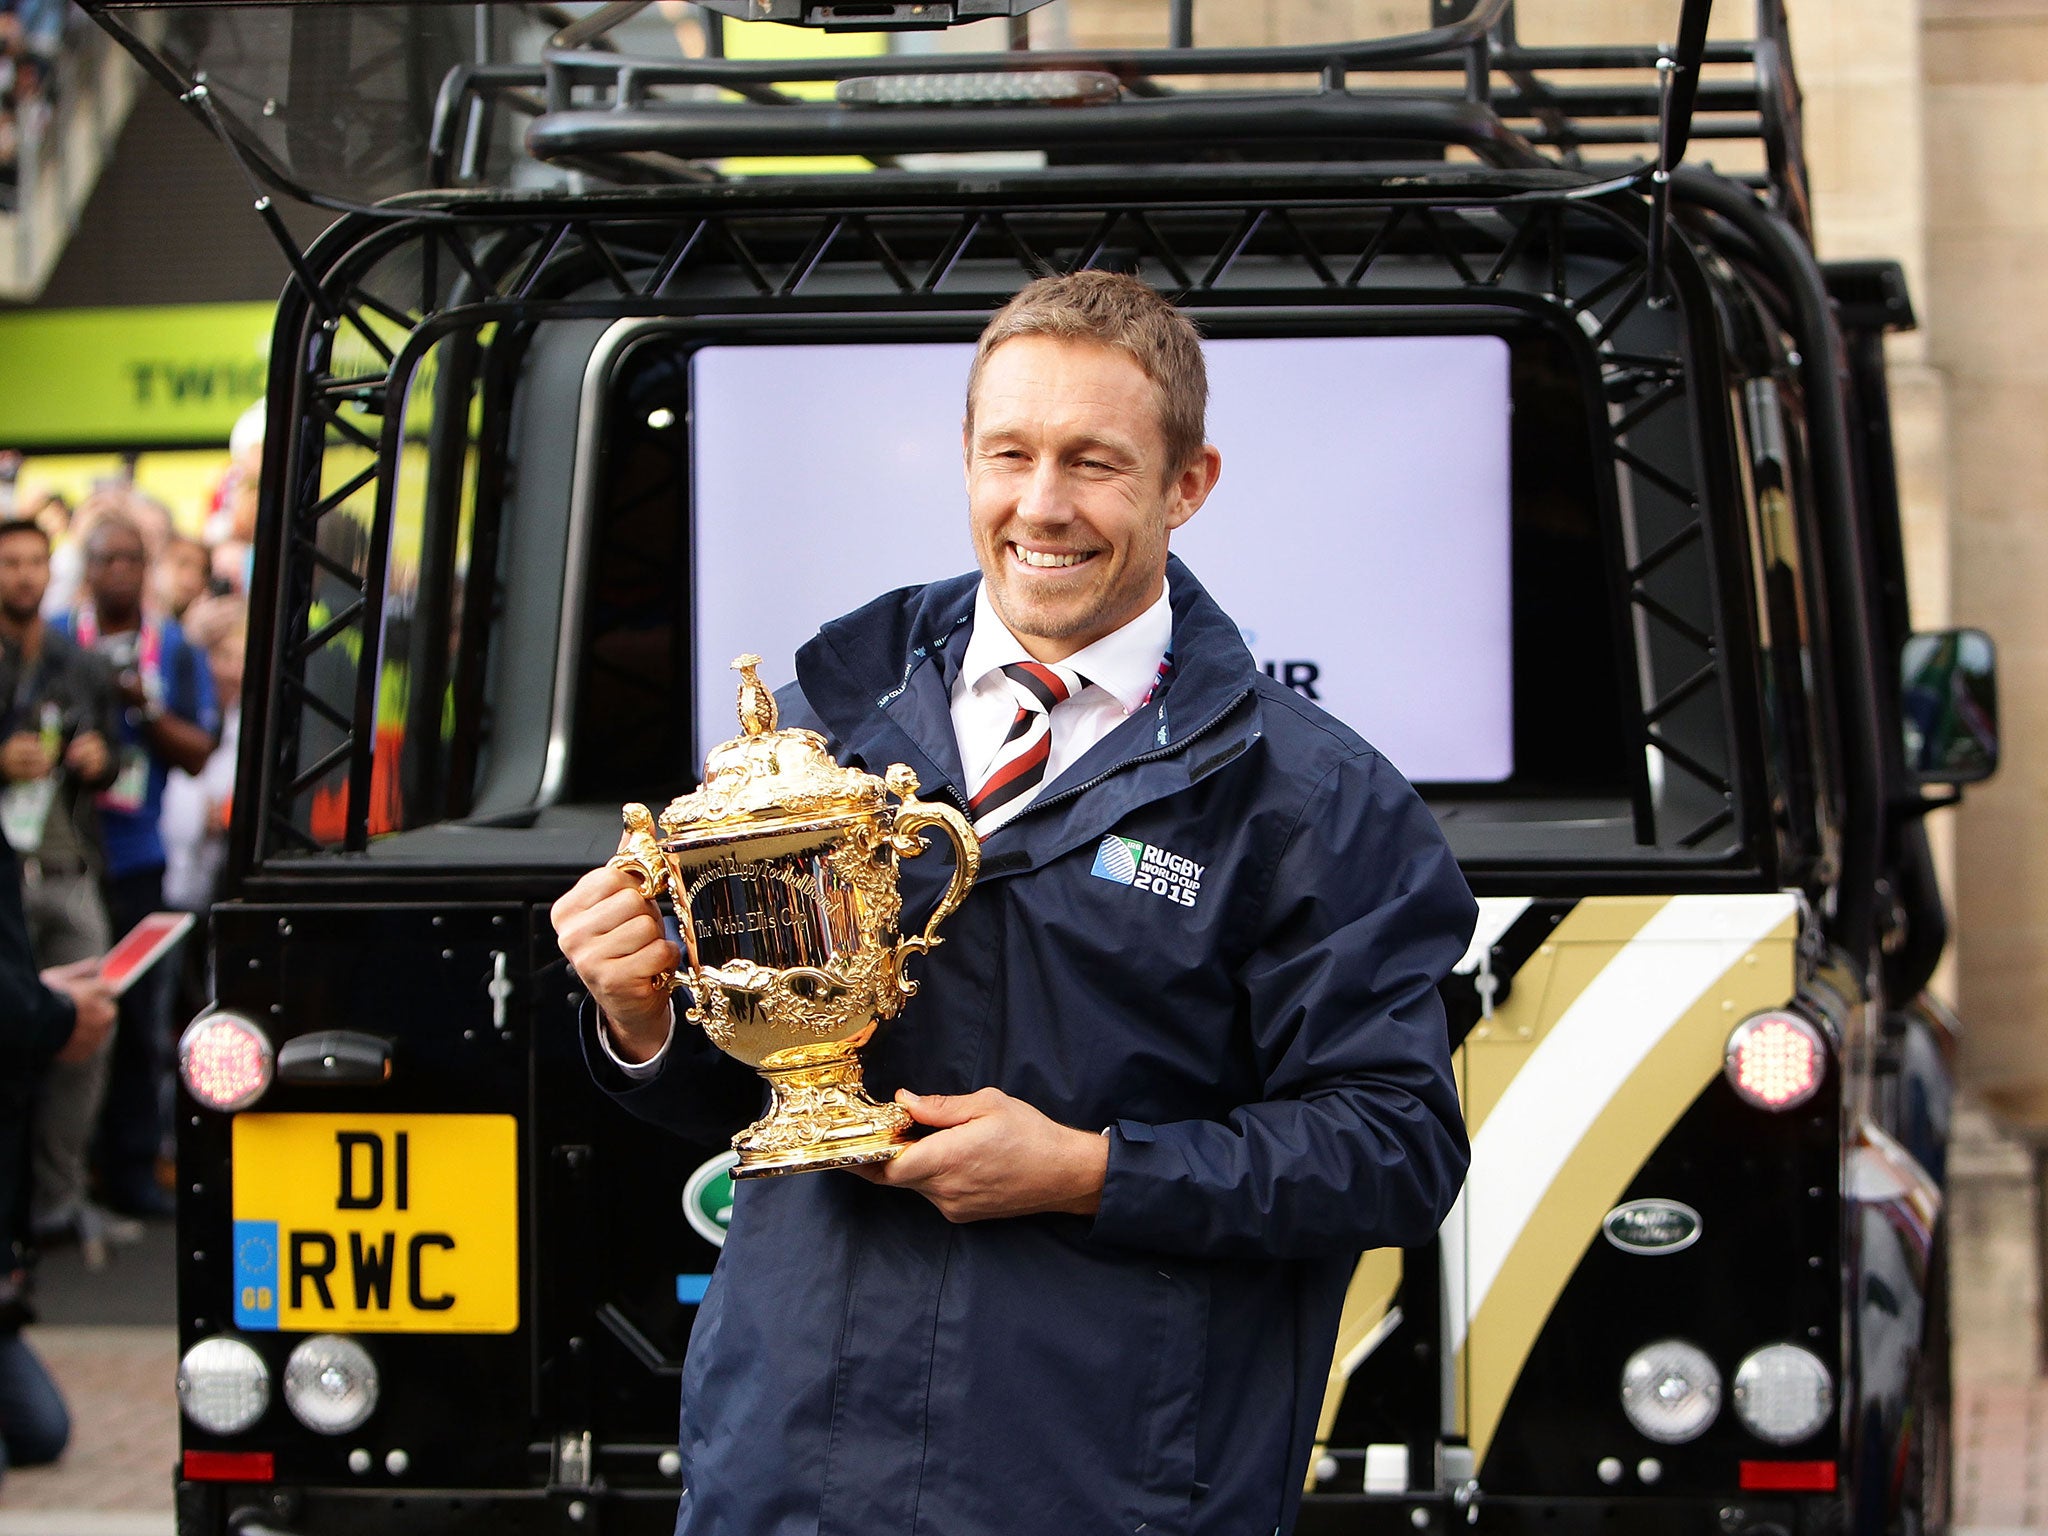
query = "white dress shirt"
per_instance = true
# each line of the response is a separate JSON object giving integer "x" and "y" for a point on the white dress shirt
{"x": 1122, "y": 669}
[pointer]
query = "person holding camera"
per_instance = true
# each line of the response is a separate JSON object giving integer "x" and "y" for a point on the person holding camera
{"x": 56, "y": 720}
{"x": 63, "y": 1015}
{"x": 168, "y": 719}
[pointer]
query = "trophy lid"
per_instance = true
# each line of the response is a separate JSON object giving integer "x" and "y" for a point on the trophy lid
{"x": 767, "y": 780}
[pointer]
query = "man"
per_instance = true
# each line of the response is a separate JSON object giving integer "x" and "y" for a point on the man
{"x": 63, "y": 1015}
{"x": 1163, "y": 1114}
{"x": 56, "y": 717}
{"x": 168, "y": 720}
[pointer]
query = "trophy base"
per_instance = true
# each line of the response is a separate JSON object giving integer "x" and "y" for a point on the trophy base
{"x": 821, "y": 1117}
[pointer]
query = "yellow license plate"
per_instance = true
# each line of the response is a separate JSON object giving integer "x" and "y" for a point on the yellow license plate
{"x": 376, "y": 1223}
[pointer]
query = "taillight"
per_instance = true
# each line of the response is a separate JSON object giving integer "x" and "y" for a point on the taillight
{"x": 1776, "y": 1060}
{"x": 225, "y": 1060}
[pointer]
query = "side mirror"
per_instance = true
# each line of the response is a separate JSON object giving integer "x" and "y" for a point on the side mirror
{"x": 1949, "y": 679}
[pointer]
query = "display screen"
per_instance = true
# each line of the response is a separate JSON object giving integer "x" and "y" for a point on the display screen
{"x": 1359, "y": 535}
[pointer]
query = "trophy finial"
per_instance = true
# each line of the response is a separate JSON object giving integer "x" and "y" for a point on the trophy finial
{"x": 757, "y": 704}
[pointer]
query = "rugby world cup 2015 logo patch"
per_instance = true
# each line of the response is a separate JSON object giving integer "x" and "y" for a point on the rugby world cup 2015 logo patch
{"x": 1143, "y": 867}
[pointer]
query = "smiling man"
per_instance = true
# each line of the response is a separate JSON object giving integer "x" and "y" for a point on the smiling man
{"x": 1180, "y": 1059}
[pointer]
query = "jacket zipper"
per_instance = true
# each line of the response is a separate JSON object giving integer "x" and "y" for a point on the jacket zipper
{"x": 1135, "y": 762}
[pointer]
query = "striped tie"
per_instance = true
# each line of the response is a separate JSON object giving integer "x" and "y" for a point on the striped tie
{"x": 1019, "y": 767}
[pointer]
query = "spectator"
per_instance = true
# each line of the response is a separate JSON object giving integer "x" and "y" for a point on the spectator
{"x": 63, "y": 1015}
{"x": 67, "y": 559}
{"x": 231, "y": 522}
{"x": 55, "y": 515}
{"x": 170, "y": 720}
{"x": 56, "y": 721}
{"x": 196, "y": 806}
{"x": 181, "y": 572}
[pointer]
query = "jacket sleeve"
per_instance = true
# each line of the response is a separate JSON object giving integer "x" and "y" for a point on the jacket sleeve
{"x": 1358, "y": 1141}
{"x": 34, "y": 1021}
{"x": 700, "y": 1093}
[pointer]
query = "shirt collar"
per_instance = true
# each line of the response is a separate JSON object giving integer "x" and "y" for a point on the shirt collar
{"x": 1124, "y": 663}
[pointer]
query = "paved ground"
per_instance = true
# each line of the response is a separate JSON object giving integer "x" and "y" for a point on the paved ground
{"x": 2002, "y": 1457}
{"x": 109, "y": 1336}
{"x": 124, "y": 1438}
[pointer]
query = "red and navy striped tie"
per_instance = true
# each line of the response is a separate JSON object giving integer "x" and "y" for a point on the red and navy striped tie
{"x": 1019, "y": 767}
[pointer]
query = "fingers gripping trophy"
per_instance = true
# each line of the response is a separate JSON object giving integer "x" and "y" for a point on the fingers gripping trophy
{"x": 782, "y": 869}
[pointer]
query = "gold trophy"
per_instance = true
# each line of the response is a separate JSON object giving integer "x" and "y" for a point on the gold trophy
{"x": 782, "y": 867}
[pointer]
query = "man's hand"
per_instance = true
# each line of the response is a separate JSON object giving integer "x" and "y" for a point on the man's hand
{"x": 612, "y": 935}
{"x": 23, "y": 757}
{"x": 87, "y": 756}
{"x": 93, "y": 1000}
{"x": 991, "y": 1155}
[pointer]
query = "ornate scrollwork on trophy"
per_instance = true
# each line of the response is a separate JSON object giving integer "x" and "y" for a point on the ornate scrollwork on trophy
{"x": 783, "y": 871}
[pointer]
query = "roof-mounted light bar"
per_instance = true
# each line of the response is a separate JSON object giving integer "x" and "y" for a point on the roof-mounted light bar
{"x": 875, "y": 14}
{"x": 983, "y": 88}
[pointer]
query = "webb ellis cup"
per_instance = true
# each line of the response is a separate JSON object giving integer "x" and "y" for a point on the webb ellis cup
{"x": 782, "y": 867}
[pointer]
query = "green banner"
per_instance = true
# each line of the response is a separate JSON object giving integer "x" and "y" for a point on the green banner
{"x": 115, "y": 378}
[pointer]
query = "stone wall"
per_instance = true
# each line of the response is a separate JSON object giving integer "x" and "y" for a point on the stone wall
{"x": 1987, "y": 149}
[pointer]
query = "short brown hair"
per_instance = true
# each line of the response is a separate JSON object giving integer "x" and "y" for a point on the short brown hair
{"x": 1121, "y": 312}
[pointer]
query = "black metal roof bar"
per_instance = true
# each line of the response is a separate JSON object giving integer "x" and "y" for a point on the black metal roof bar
{"x": 1448, "y": 43}
{"x": 1128, "y": 63}
{"x": 1678, "y": 84}
{"x": 1686, "y": 87}
{"x": 712, "y": 132}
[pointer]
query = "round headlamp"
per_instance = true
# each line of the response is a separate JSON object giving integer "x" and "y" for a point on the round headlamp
{"x": 1670, "y": 1391}
{"x": 330, "y": 1384}
{"x": 1783, "y": 1394}
{"x": 225, "y": 1060}
{"x": 223, "y": 1385}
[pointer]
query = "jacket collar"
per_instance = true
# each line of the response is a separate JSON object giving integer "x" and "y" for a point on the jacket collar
{"x": 880, "y": 679}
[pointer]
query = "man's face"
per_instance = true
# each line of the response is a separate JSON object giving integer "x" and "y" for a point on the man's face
{"x": 24, "y": 576}
{"x": 1069, "y": 496}
{"x": 114, "y": 568}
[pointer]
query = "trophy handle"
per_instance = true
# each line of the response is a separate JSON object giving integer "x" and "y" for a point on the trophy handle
{"x": 912, "y": 817}
{"x": 639, "y": 860}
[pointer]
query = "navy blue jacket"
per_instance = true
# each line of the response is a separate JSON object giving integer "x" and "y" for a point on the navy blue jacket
{"x": 1219, "y": 934}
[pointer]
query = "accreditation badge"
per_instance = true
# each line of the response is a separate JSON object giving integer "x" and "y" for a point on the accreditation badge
{"x": 25, "y": 811}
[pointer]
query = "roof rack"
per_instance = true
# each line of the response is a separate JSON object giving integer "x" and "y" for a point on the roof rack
{"x": 639, "y": 119}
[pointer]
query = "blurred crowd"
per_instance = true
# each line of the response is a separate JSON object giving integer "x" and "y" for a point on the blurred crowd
{"x": 31, "y": 37}
{"x": 121, "y": 641}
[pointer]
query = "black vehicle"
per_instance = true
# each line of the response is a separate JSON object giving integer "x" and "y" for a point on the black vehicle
{"x": 1592, "y": 511}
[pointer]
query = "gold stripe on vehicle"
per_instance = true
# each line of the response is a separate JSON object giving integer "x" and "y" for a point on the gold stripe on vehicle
{"x": 1562, "y": 967}
{"x": 1373, "y": 1287}
{"x": 1601, "y": 1166}
{"x": 1548, "y": 983}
